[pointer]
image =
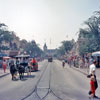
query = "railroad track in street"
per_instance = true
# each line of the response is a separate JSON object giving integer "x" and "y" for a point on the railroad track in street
{"x": 41, "y": 92}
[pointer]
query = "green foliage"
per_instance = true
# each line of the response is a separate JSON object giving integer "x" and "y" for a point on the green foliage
{"x": 33, "y": 49}
{"x": 65, "y": 47}
{"x": 68, "y": 45}
{"x": 90, "y": 36}
{"x": 61, "y": 51}
{"x": 2, "y": 24}
{"x": 7, "y": 36}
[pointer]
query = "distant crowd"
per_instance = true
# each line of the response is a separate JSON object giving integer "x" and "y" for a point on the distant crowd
{"x": 81, "y": 62}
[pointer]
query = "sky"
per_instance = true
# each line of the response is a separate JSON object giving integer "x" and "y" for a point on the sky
{"x": 50, "y": 21}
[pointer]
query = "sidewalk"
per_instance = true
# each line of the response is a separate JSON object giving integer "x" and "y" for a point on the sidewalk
{"x": 85, "y": 71}
{"x": 2, "y": 74}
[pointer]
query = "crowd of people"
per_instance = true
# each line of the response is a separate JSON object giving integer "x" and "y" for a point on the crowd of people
{"x": 81, "y": 62}
{"x": 23, "y": 65}
{"x": 89, "y": 63}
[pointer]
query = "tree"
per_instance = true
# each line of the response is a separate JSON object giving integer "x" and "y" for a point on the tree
{"x": 2, "y": 24}
{"x": 65, "y": 47}
{"x": 61, "y": 50}
{"x": 8, "y": 36}
{"x": 90, "y": 35}
{"x": 33, "y": 49}
{"x": 68, "y": 45}
{"x": 5, "y": 35}
{"x": 23, "y": 43}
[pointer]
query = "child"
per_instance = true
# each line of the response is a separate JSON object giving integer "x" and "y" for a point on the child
{"x": 92, "y": 84}
{"x": 4, "y": 65}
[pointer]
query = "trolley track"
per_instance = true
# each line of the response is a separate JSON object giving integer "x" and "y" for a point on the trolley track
{"x": 46, "y": 90}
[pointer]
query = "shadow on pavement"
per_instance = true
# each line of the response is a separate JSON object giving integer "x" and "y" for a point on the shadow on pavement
{"x": 24, "y": 79}
{"x": 30, "y": 76}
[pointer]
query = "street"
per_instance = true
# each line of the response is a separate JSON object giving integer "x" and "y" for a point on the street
{"x": 51, "y": 82}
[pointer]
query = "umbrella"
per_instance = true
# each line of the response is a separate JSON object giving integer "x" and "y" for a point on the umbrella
{"x": 6, "y": 57}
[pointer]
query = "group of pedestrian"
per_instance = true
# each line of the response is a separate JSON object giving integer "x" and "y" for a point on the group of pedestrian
{"x": 81, "y": 62}
{"x": 89, "y": 63}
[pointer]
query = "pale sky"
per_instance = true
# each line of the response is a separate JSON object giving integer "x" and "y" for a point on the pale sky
{"x": 45, "y": 20}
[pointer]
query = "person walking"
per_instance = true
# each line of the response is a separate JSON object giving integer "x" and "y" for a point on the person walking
{"x": 92, "y": 85}
{"x": 30, "y": 67}
{"x": 4, "y": 65}
{"x": 92, "y": 72}
{"x": 34, "y": 64}
{"x": 91, "y": 60}
{"x": 63, "y": 63}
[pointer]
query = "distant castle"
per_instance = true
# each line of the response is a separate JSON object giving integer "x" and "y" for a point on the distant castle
{"x": 48, "y": 52}
{"x": 45, "y": 48}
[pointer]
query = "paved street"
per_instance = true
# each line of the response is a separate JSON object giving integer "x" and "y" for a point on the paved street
{"x": 2, "y": 74}
{"x": 51, "y": 82}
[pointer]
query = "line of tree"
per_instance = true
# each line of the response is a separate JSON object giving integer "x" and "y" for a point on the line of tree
{"x": 66, "y": 47}
{"x": 89, "y": 37}
{"x": 33, "y": 49}
{"x": 5, "y": 35}
{"x": 8, "y": 37}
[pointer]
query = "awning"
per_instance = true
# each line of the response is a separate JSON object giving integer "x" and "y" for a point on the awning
{"x": 22, "y": 56}
{"x": 96, "y": 53}
{"x": 6, "y": 57}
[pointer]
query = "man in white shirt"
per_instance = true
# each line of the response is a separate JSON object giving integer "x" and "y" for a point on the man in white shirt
{"x": 92, "y": 68}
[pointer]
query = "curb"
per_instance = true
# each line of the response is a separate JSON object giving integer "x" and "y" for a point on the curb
{"x": 4, "y": 75}
{"x": 80, "y": 71}
{"x": 84, "y": 73}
